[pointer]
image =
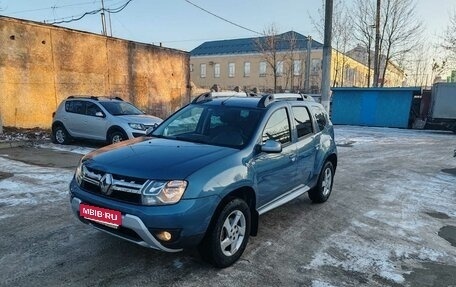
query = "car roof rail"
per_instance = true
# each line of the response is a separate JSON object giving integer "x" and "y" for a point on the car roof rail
{"x": 293, "y": 97}
{"x": 211, "y": 95}
{"x": 266, "y": 100}
{"x": 94, "y": 98}
{"x": 118, "y": 98}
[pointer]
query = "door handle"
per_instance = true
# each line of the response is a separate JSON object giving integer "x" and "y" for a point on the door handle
{"x": 292, "y": 157}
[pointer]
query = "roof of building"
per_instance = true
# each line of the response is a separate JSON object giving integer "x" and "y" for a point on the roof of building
{"x": 249, "y": 45}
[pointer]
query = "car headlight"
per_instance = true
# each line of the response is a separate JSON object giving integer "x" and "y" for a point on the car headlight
{"x": 136, "y": 126}
{"x": 163, "y": 192}
{"x": 79, "y": 174}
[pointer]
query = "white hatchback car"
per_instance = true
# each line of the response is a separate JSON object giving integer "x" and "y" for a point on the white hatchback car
{"x": 97, "y": 118}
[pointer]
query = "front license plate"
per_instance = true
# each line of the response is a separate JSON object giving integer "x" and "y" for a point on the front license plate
{"x": 111, "y": 218}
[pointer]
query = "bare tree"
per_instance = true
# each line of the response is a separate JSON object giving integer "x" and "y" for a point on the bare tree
{"x": 364, "y": 24}
{"x": 279, "y": 51}
{"x": 450, "y": 37}
{"x": 400, "y": 29}
{"x": 268, "y": 46}
{"x": 342, "y": 36}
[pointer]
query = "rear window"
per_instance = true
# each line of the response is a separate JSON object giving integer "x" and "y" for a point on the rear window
{"x": 320, "y": 116}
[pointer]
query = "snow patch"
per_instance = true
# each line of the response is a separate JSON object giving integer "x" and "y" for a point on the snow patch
{"x": 31, "y": 185}
{"x": 317, "y": 283}
{"x": 67, "y": 148}
{"x": 397, "y": 229}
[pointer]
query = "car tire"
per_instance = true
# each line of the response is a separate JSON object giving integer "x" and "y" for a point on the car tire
{"x": 60, "y": 135}
{"x": 226, "y": 240}
{"x": 116, "y": 136}
{"x": 321, "y": 192}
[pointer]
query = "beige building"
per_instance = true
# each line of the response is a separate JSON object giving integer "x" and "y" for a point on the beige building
{"x": 239, "y": 62}
{"x": 394, "y": 76}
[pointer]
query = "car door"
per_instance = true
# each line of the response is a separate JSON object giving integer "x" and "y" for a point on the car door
{"x": 306, "y": 145}
{"x": 95, "y": 125}
{"x": 276, "y": 172}
{"x": 74, "y": 121}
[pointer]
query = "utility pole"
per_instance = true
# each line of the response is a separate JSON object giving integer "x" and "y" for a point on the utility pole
{"x": 326, "y": 63}
{"x": 103, "y": 19}
{"x": 309, "y": 50}
{"x": 377, "y": 44}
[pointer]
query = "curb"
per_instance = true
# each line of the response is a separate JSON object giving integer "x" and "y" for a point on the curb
{"x": 4, "y": 145}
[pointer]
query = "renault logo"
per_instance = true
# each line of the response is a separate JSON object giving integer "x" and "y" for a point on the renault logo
{"x": 105, "y": 184}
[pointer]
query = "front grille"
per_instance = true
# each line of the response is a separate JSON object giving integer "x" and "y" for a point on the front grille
{"x": 122, "y": 188}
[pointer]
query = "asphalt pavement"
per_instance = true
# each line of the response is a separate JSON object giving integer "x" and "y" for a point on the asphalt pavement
{"x": 390, "y": 221}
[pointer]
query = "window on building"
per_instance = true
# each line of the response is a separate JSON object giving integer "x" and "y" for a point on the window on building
{"x": 203, "y": 70}
{"x": 216, "y": 70}
{"x": 315, "y": 66}
{"x": 262, "y": 69}
{"x": 297, "y": 67}
{"x": 231, "y": 70}
{"x": 246, "y": 69}
{"x": 279, "y": 68}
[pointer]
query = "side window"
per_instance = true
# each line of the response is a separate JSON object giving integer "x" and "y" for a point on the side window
{"x": 278, "y": 127}
{"x": 69, "y": 107}
{"x": 320, "y": 116}
{"x": 302, "y": 121}
{"x": 77, "y": 107}
{"x": 92, "y": 109}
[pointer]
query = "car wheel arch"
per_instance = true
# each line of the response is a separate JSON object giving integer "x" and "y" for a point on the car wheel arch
{"x": 115, "y": 129}
{"x": 333, "y": 159}
{"x": 56, "y": 124}
{"x": 245, "y": 193}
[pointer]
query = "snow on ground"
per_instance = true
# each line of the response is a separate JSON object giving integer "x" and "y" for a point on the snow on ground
{"x": 31, "y": 185}
{"x": 397, "y": 229}
{"x": 67, "y": 148}
{"x": 378, "y": 241}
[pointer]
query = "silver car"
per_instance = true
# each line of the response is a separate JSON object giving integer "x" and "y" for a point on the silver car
{"x": 97, "y": 118}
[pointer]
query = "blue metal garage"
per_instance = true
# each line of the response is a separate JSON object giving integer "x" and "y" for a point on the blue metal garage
{"x": 376, "y": 107}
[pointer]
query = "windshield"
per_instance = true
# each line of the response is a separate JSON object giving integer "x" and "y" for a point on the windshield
{"x": 215, "y": 125}
{"x": 121, "y": 108}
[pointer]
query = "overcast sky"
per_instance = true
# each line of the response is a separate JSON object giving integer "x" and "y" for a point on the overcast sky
{"x": 178, "y": 24}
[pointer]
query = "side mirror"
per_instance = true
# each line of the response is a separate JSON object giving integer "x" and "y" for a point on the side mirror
{"x": 271, "y": 146}
{"x": 99, "y": 114}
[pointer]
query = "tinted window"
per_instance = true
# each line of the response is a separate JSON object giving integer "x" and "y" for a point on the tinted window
{"x": 320, "y": 115}
{"x": 92, "y": 109}
{"x": 302, "y": 121}
{"x": 77, "y": 107}
{"x": 278, "y": 127}
{"x": 116, "y": 108}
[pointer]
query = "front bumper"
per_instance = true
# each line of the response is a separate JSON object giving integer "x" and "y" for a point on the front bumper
{"x": 189, "y": 219}
{"x": 130, "y": 222}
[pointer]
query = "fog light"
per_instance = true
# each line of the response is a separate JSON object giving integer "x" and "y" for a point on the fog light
{"x": 164, "y": 235}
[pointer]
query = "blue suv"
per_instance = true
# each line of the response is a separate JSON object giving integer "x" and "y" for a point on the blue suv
{"x": 202, "y": 177}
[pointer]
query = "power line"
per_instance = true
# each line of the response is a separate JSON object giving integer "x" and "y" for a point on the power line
{"x": 52, "y": 8}
{"x": 93, "y": 12}
{"x": 223, "y": 19}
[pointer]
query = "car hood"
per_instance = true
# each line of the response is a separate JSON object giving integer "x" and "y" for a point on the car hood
{"x": 140, "y": 119}
{"x": 155, "y": 158}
